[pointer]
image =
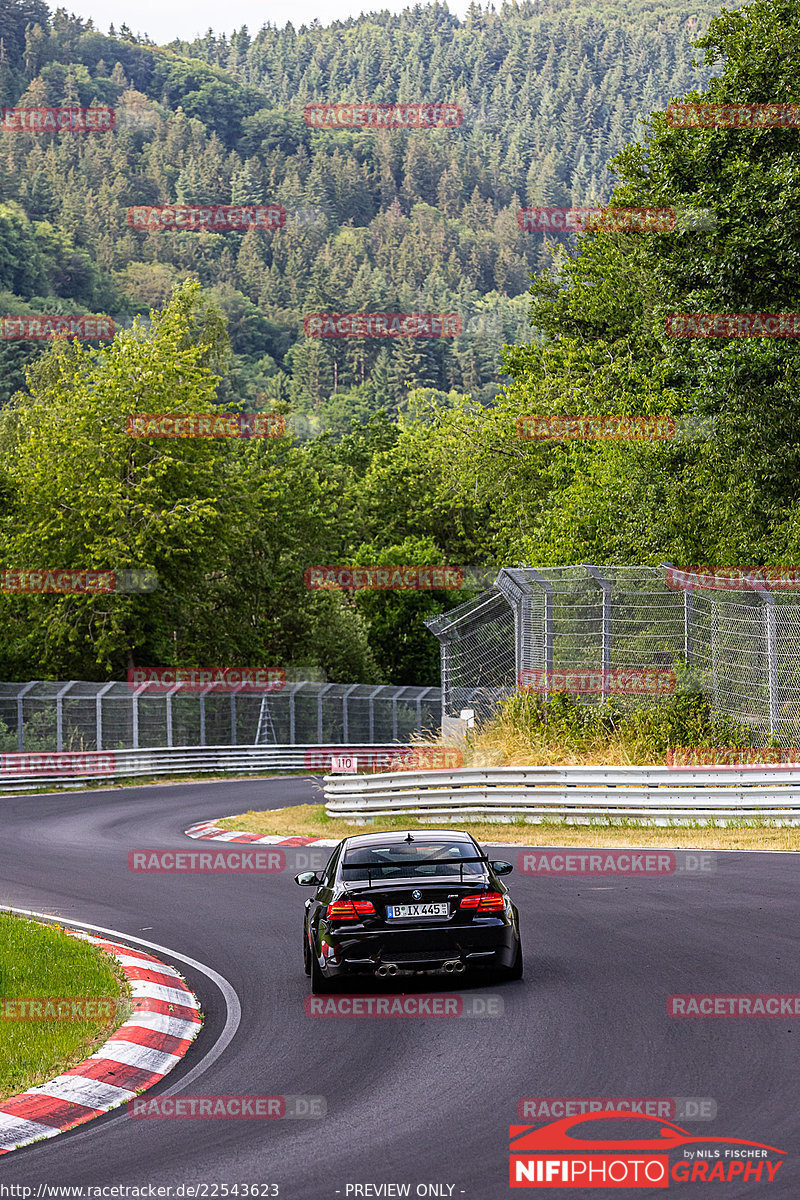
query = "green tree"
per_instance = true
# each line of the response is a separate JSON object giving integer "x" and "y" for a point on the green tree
{"x": 88, "y": 495}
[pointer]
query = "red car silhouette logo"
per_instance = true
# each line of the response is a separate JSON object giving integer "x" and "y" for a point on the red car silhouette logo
{"x": 557, "y": 1136}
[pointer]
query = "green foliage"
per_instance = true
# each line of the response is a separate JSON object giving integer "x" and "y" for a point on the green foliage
{"x": 413, "y": 453}
{"x": 404, "y": 649}
{"x": 403, "y": 221}
{"x": 725, "y": 490}
{"x": 680, "y": 720}
{"x": 229, "y": 528}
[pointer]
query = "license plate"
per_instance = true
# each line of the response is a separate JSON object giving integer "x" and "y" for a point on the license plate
{"x": 395, "y": 911}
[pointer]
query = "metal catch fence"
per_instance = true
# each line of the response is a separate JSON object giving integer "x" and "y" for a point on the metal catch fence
{"x": 739, "y": 644}
{"x": 80, "y": 716}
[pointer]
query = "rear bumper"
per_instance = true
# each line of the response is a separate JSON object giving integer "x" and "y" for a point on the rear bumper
{"x": 478, "y": 947}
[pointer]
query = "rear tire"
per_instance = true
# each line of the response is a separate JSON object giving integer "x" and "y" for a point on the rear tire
{"x": 516, "y": 968}
{"x": 320, "y": 984}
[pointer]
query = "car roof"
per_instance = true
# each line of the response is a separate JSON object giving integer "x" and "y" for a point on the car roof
{"x": 401, "y": 835}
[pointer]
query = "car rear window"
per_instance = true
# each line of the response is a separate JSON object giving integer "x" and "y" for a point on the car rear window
{"x": 396, "y": 860}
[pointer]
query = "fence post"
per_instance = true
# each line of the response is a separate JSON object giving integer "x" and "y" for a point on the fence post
{"x": 345, "y": 716}
{"x": 715, "y": 650}
{"x": 605, "y": 584}
{"x": 21, "y": 716}
{"x": 60, "y": 717}
{"x": 295, "y": 689}
{"x": 688, "y": 617}
{"x": 203, "y": 695}
{"x": 325, "y": 688}
{"x": 420, "y": 698}
{"x": 135, "y": 717}
{"x": 372, "y": 711}
{"x": 770, "y": 638}
{"x": 446, "y": 651}
{"x": 688, "y": 631}
{"x": 168, "y": 698}
{"x": 547, "y": 587}
{"x": 99, "y": 713}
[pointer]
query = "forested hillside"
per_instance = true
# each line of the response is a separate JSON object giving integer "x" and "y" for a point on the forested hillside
{"x": 422, "y": 462}
{"x": 419, "y": 221}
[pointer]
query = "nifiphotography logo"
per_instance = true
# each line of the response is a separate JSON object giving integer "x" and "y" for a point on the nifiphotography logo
{"x": 629, "y": 1150}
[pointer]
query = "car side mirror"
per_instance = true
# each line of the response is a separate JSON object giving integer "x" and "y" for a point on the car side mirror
{"x": 308, "y": 879}
{"x": 502, "y": 868}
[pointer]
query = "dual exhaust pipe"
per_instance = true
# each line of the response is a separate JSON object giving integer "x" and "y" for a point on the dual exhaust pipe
{"x": 453, "y": 966}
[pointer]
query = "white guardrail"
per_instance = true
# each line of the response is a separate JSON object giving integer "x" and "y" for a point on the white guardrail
{"x": 576, "y": 795}
{"x": 73, "y": 769}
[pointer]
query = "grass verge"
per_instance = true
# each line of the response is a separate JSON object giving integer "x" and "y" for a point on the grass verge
{"x": 310, "y": 820}
{"x": 43, "y": 961}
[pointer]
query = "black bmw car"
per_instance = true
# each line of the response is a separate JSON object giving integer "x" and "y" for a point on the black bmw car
{"x": 407, "y": 903}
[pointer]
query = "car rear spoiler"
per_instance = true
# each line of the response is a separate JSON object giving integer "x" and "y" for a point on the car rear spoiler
{"x": 370, "y": 867}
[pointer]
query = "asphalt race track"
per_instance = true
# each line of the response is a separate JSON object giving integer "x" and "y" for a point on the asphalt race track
{"x": 409, "y": 1100}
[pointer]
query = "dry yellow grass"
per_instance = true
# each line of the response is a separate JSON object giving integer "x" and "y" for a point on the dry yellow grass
{"x": 501, "y": 744}
{"x": 516, "y": 735}
{"x": 309, "y": 820}
{"x": 506, "y": 740}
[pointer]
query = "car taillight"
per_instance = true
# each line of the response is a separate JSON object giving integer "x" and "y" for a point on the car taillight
{"x": 485, "y": 902}
{"x": 350, "y": 910}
